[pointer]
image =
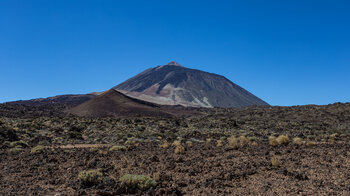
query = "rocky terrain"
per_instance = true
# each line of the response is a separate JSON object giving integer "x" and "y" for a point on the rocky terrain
{"x": 299, "y": 150}
{"x": 173, "y": 84}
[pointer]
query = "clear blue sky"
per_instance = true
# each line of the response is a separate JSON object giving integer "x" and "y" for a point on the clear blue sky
{"x": 286, "y": 52}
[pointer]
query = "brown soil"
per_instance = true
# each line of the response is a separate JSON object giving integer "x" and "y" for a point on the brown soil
{"x": 203, "y": 169}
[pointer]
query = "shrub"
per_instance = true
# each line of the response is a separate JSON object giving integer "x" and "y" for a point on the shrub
{"x": 282, "y": 139}
{"x": 38, "y": 149}
{"x": 93, "y": 150}
{"x": 233, "y": 142}
{"x": 90, "y": 177}
{"x": 138, "y": 181}
{"x": 19, "y": 143}
{"x": 164, "y": 145}
{"x": 219, "y": 143}
{"x": 7, "y": 143}
{"x": 16, "y": 149}
{"x": 273, "y": 141}
{"x": 189, "y": 143}
{"x": 275, "y": 162}
{"x": 176, "y": 143}
{"x": 252, "y": 138}
{"x": 298, "y": 141}
{"x": 117, "y": 148}
{"x": 223, "y": 138}
{"x": 129, "y": 142}
{"x": 243, "y": 141}
{"x": 310, "y": 143}
{"x": 334, "y": 135}
{"x": 332, "y": 138}
{"x": 179, "y": 149}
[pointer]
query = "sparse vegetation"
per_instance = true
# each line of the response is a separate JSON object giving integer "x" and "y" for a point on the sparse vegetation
{"x": 298, "y": 141}
{"x": 189, "y": 143}
{"x": 233, "y": 142}
{"x": 219, "y": 143}
{"x": 90, "y": 177}
{"x": 283, "y": 140}
{"x": 117, "y": 148}
{"x": 273, "y": 141}
{"x": 310, "y": 143}
{"x": 38, "y": 149}
{"x": 16, "y": 149}
{"x": 179, "y": 149}
{"x": 138, "y": 181}
{"x": 176, "y": 143}
{"x": 19, "y": 143}
{"x": 252, "y": 139}
{"x": 275, "y": 162}
{"x": 243, "y": 141}
{"x": 164, "y": 145}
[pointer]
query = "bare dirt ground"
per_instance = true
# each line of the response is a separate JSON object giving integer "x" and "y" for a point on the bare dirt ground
{"x": 203, "y": 169}
{"x": 45, "y": 152}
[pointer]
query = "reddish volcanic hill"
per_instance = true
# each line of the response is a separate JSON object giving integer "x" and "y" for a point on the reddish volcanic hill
{"x": 113, "y": 103}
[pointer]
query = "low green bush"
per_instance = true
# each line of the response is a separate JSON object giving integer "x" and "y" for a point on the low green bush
{"x": 19, "y": 143}
{"x": 16, "y": 149}
{"x": 38, "y": 149}
{"x": 117, "y": 148}
{"x": 90, "y": 177}
{"x": 138, "y": 181}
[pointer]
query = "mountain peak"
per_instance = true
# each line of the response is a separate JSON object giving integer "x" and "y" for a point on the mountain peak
{"x": 174, "y": 63}
{"x": 172, "y": 84}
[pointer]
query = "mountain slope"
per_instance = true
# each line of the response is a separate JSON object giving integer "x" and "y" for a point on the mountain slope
{"x": 59, "y": 99}
{"x": 113, "y": 103}
{"x": 173, "y": 84}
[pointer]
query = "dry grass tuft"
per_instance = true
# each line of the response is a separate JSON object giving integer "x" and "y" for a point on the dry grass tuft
{"x": 117, "y": 148}
{"x": 273, "y": 141}
{"x": 283, "y": 139}
{"x": 179, "y": 149}
{"x": 298, "y": 141}
{"x": 38, "y": 149}
{"x": 243, "y": 141}
{"x": 332, "y": 138}
{"x": 275, "y": 162}
{"x": 219, "y": 143}
{"x": 310, "y": 143}
{"x": 176, "y": 143}
{"x": 189, "y": 143}
{"x": 233, "y": 142}
{"x": 164, "y": 145}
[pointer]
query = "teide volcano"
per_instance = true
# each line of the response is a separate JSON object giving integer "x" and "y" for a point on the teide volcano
{"x": 173, "y": 84}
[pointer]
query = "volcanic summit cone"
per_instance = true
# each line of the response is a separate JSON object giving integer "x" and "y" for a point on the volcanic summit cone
{"x": 173, "y": 84}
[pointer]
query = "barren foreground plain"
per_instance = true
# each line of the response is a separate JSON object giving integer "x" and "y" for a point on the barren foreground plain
{"x": 299, "y": 150}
